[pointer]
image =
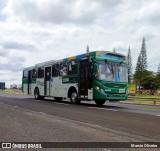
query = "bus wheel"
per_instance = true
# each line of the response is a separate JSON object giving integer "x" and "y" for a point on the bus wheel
{"x": 58, "y": 98}
{"x": 74, "y": 97}
{"x": 36, "y": 94}
{"x": 100, "y": 102}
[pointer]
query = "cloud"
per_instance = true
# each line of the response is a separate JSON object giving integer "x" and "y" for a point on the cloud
{"x": 18, "y": 46}
{"x": 14, "y": 64}
{"x": 3, "y": 53}
{"x": 12, "y": 67}
{"x": 59, "y": 11}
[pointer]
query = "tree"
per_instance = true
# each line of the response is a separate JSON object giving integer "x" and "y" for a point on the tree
{"x": 137, "y": 74}
{"x": 158, "y": 76}
{"x": 141, "y": 65}
{"x": 158, "y": 71}
{"x": 149, "y": 81}
{"x": 129, "y": 59}
{"x": 143, "y": 54}
{"x": 87, "y": 49}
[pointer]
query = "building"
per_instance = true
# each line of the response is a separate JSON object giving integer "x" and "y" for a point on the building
{"x": 2, "y": 85}
{"x": 13, "y": 86}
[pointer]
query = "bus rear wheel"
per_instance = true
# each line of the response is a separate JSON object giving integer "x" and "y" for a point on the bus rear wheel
{"x": 99, "y": 102}
{"x": 36, "y": 95}
{"x": 74, "y": 98}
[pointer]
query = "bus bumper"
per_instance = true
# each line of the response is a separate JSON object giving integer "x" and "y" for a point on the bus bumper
{"x": 100, "y": 94}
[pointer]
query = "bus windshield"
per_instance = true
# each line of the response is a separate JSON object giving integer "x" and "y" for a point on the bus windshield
{"x": 112, "y": 71}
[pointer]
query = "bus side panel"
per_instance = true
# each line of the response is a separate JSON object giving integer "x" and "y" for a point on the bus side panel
{"x": 25, "y": 88}
{"x": 33, "y": 85}
{"x": 59, "y": 89}
{"x": 40, "y": 85}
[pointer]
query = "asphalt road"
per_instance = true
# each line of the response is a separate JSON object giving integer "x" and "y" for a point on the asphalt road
{"x": 26, "y": 119}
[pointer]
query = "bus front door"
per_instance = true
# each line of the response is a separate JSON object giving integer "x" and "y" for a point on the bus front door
{"x": 85, "y": 82}
{"x": 47, "y": 81}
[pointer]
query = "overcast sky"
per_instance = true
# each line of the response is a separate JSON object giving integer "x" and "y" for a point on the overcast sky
{"x": 34, "y": 31}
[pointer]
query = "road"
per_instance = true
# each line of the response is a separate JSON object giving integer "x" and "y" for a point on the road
{"x": 26, "y": 119}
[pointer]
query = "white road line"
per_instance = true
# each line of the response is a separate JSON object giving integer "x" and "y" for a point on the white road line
{"x": 103, "y": 109}
{"x": 60, "y": 103}
{"x": 157, "y": 115}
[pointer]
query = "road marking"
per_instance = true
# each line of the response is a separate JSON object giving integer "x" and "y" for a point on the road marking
{"x": 157, "y": 115}
{"x": 36, "y": 100}
{"x": 60, "y": 103}
{"x": 103, "y": 109}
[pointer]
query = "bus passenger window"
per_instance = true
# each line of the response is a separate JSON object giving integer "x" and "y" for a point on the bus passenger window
{"x": 63, "y": 69}
{"x": 72, "y": 68}
{"x": 34, "y": 74}
{"x": 25, "y": 74}
{"x": 55, "y": 70}
{"x": 40, "y": 72}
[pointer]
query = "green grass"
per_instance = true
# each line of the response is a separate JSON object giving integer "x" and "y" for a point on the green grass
{"x": 147, "y": 96}
{"x": 9, "y": 91}
{"x": 147, "y": 102}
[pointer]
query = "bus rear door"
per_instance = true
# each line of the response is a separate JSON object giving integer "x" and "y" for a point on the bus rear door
{"x": 47, "y": 81}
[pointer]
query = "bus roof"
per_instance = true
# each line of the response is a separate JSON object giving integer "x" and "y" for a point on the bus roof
{"x": 95, "y": 54}
{"x": 29, "y": 68}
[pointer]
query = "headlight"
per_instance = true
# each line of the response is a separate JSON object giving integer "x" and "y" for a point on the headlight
{"x": 99, "y": 89}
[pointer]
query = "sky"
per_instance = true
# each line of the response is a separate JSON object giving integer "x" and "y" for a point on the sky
{"x": 34, "y": 31}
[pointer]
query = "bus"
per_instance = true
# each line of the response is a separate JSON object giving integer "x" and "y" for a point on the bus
{"x": 99, "y": 75}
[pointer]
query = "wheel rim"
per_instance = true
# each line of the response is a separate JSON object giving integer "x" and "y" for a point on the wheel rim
{"x": 74, "y": 97}
{"x": 36, "y": 94}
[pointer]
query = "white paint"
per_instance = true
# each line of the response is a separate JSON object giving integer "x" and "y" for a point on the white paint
{"x": 90, "y": 94}
{"x": 60, "y": 103}
{"x": 103, "y": 109}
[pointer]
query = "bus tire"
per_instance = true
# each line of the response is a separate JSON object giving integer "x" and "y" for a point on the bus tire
{"x": 36, "y": 94}
{"x": 58, "y": 98}
{"x": 41, "y": 97}
{"x": 99, "y": 102}
{"x": 74, "y": 97}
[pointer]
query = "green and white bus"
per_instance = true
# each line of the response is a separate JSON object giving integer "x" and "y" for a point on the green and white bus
{"x": 100, "y": 76}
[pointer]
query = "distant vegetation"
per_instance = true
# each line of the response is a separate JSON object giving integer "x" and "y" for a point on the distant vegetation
{"x": 142, "y": 79}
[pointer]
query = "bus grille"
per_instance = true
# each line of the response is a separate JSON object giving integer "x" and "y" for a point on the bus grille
{"x": 111, "y": 85}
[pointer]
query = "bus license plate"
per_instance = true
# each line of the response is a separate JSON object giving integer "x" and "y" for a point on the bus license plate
{"x": 121, "y": 90}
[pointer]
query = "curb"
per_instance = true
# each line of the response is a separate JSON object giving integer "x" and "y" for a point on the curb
{"x": 139, "y": 103}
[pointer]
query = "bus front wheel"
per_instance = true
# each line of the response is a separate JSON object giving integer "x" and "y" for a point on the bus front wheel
{"x": 100, "y": 102}
{"x": 74, "y": 97}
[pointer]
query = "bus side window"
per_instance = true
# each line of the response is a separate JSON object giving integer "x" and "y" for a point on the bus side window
{"x": 34, "y": 74}
{"x": 63, "y": 68}
{"x": 55, "y": 70}
{"x": 72, "y": 67}
{"x": 25, "y": 74}
{"x": 40, "y": 72}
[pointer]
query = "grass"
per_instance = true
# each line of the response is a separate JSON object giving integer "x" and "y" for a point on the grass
{"x": 148, "y": 102}
{"x": 147, "y": 96}
{"x": 10, "y": 91}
